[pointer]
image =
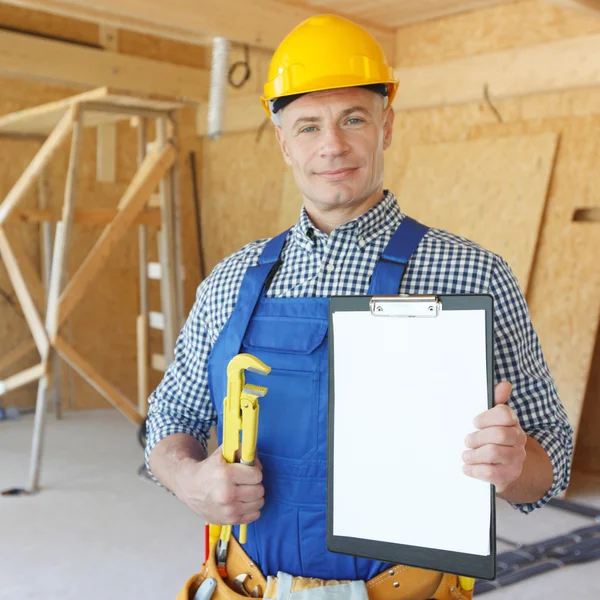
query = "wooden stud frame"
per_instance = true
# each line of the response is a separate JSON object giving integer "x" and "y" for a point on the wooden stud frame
{"x": 45, "y": 315}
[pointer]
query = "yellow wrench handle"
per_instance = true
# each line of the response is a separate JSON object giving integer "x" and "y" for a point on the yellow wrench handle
{"x": 250, "y": 411}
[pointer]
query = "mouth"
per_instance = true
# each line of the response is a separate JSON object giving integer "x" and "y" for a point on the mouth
{"x": 337, "y": 174}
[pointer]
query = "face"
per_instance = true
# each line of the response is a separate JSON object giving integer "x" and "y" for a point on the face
{"x": 334, "y": 141}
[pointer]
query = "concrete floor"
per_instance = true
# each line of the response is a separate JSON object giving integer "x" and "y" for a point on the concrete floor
{"x": 99, "y": 531}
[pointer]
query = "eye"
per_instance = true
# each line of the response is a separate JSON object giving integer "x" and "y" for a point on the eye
{"x": 354, "y": 121}
{"x": 308, "y": 129}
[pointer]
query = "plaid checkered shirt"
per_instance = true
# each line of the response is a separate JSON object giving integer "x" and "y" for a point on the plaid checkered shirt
{"x": 319, "y": 265}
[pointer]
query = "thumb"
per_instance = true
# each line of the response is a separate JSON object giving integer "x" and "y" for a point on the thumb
{"x": 502, "y": 392}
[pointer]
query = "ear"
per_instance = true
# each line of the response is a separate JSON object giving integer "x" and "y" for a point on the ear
{"x": 388, "y": 127}
{"x": 283, "y": 145}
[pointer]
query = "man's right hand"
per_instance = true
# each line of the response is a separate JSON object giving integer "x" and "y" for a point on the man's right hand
{"x": 220, "y": 492}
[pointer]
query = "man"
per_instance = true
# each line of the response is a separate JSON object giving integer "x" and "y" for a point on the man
{"x": 330, "y": 94}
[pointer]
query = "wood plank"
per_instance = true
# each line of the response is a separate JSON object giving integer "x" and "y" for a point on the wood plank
{"x": 37, "y": 443}
{"x": 144, "y": 182}
{"x": 41, "y": 120}
{"x": 481, "y": 189}
{"x": 88, "y": 14}
{"x": 32, "y": 316}
{"x": 154, "y": 271}
{"x": 84, "y": 216}
{"x": 62, "y": 63}
{"x": 108, "y": 37}
{"x": 563, "y": 65}
{"x": 556, "y": 66}
{"x": 158, "y": 362}
{"x": 590, "y": 7}
{"x": 44, "y": 193}
{"x": 142, "y": 139}
{"x": 260, "y": 23}
{"x": 175, "y": 181}
{"x": 23, "y": 378}
{"x": 28, "y": 271}
{"x": 64, "y": 228}
{"x": 36, "y": 166}
{"x": 167, "y": 253}
{"x": 143, "y": 351}
{"x": 106, "y": 153}
{"x": 156, "y": 320}
{"x": 16, "y": 354}
{"x": 99, "y": 383}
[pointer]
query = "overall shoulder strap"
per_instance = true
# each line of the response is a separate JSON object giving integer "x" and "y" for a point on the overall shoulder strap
{"x": 251, "y": 290}
{"x": 391, "y": 266}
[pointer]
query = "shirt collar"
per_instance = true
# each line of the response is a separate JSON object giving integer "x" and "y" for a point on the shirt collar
{"x": 365, "y": 228}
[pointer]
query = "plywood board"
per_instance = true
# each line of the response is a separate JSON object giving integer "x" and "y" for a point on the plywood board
{"x": 41, "y": 120}
{"x": 491, "y": 191}
{"x": 587, "y": 451}
{"x": 396, "y": 14}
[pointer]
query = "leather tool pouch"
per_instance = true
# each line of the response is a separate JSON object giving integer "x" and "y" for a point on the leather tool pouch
{"x": 397, "y": 583}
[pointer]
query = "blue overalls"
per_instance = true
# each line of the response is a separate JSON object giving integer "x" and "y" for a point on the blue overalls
{"x": 290, "y": 335}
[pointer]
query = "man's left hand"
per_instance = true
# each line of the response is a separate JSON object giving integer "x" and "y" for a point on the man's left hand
{"x": 497, "y": 450}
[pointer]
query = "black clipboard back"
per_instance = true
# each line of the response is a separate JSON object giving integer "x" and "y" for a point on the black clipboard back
{"x": 459, "y": 563}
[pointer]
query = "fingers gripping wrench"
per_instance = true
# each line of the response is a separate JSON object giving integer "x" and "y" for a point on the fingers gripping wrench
{"x": 240, "y": 416}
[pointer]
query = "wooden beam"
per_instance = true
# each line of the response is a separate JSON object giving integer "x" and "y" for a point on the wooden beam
{"x": 106, "y": 141}
{"x": 29, "y": 57}
{"x": 34, "y": 321}
{"x": 568, "y": 64}
{"x": 22, "y": 378}
{"x": 551, "y": 67}
{"x": 23, "y": 349}
{"x": 36, "y": 166}
{"x": 101, "y": 385}
{"x": 29, "y": 273}
{"x": 259, "y": 23}
{"x": 62, "y": 243}
{"x": 591, "y": 7}
{"x": 85, "y": 216}
{"x": 106, "y": 153}
{"x": 144, "y": 182}
{"x": 158, "y": 362}
{"x": 143, "y": 351}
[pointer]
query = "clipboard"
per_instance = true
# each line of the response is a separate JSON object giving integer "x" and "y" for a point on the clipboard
{"x": 407, "y": 375}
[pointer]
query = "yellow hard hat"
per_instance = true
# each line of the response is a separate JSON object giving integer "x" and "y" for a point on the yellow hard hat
{"x": 323, "y": 53}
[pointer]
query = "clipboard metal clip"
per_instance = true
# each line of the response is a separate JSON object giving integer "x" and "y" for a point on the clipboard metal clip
{"x": 405, "y": 306}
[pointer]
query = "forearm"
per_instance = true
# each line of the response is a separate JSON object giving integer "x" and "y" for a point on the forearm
{"x": 535, "y": 479}
{"x": 170, "y": 457}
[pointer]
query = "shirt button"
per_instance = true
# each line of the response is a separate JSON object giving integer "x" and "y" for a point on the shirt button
{"x": 330, "y": 267}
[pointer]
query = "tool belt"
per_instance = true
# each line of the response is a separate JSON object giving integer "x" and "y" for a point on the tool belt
{"x": 398, "y": 583}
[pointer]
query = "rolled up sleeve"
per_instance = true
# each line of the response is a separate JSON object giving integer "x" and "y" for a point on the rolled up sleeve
{"x": 519, "y": 360}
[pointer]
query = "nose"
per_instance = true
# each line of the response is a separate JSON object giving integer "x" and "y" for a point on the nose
{"x": 333, "y": 142}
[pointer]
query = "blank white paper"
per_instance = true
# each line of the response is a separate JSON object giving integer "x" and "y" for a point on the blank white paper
{"x": 406, "y": 393}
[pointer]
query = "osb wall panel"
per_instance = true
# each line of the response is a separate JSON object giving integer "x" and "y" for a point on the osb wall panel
{"x": 242, "y": 190}
{"x": 513, "y": 25}
{"x": 23, "y": 19}
{"x": 587, "y": 456}
{"x": 482, "y": 190}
